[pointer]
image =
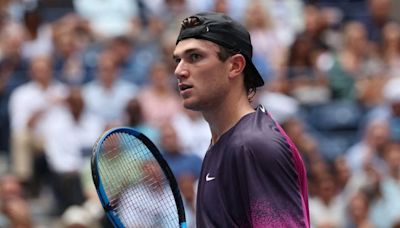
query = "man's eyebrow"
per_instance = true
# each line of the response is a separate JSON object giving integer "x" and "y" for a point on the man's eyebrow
{"x": 188, "y": 51}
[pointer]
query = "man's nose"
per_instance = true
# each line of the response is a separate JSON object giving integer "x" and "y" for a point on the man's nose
{"x": 181, "y": 70}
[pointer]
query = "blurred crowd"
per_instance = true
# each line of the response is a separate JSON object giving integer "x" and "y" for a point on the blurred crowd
{"x": 69, "y": 70}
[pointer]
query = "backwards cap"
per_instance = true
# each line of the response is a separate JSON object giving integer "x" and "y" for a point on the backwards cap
{"x": 222, "y": 30}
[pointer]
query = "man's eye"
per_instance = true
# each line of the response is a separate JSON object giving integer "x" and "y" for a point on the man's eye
{"x": 177, "y": 60}
{"x": 194, "y": 57}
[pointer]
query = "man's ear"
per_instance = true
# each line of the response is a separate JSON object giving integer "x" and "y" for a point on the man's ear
{"x": 238, "y": 63}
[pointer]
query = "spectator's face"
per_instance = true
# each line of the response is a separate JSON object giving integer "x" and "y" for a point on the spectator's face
{"x": 134, "y": 112}
{"x": 377, "y": 134}
{"x": 391, "y": 34}
{"x": 203, "y": 79}
{"x": 9, "y": 187}
{"x": 122, "y": 50}
{"x": 76, "y": 103}
{"x": 169, "y": 140}
{"x": 41, "y": 70}
{"x": 379, "y": 9}
{"x": 220, "y": 6}
{"x": 342, "y": 169}
{"x": 396, "y": 109}
{"x": 358, "y": 207}
{"x": 392, "y": 156}
{"x": 326, "y": 188}
{"x": 355, "y": 37}
{"x": 65, "y": 44}
{"x": 12, "y": 41}
{"x": 313, "y": 20}
{"x": 107, "y": 68}
{"x": 256, "y": 16}
{"x": 160, "y": 77}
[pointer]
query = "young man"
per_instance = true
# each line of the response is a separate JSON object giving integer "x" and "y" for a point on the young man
{"x": 252, "y": 174}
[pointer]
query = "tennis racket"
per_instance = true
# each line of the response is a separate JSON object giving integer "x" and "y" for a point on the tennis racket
{"x": 134, "y": 183}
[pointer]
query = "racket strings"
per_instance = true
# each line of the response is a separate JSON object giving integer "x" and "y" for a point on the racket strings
{"x": 137, "y": 187}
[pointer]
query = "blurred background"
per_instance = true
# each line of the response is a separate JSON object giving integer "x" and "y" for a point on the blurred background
{"x": 70, "y": 69}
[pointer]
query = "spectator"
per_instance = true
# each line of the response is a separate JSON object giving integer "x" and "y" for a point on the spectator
{"x": 10, "y": 187}
{"x": 267, "y": 45}
{"x": 135, "y": 119}
{"x": 181, "y": 163}
{"x": 326, "y": 207}
{"x": 193, "y": 132}
{"x": 13, "y": 68}
{"x": 135, "y": 56}
{"x": 391, "y": 94}
{"x": 370, "y": 147}
{"x": 14, "y": 209}
{"x": 159, "y": 100}
{"x": 307, "y": 84}
{"x": 38, "y": 36}
{"x": 348, "y": 63}
{"x": 390, "y": 48}
{"x": 69, "y": 124}
{"x": 343, "y": 174}
{"x": 358, "y": 208}
{"x": 391, "y": 155}
{"x": 69, "y": 64}
{"x": 379, "y": 15}
{"x": 384, "y": 198}
{"x": 107, "y": 95}
{"x": 29, "y": 105}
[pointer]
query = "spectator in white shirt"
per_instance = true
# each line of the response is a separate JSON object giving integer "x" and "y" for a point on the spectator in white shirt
{"x": 108, "y": 95}
{"x": 29, "y": 105}
{"x": 193, "y": 132}
{"x": 70, "y": 131}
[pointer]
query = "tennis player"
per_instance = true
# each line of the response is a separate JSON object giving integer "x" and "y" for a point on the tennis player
{"x": 252, "y": 174}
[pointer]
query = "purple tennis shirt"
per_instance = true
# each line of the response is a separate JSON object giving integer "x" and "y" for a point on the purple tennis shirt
{"x": 253, "y": 177}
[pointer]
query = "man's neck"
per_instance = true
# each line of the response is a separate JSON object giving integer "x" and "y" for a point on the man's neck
{"x": 225, "y": 116}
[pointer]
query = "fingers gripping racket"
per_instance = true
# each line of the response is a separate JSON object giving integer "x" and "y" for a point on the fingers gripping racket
{"x": 134, "y": 183}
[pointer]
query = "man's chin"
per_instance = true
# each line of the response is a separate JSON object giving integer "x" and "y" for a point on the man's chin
{"x": 191, "y": 106}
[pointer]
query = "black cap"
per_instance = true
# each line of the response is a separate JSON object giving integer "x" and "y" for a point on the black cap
{"x": 223, "y": 30}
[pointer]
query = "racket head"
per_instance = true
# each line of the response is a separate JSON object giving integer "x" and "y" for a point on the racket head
{"x": 143, "y": 165}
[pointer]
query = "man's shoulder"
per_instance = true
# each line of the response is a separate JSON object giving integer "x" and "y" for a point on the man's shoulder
{"x": 259, "y": 139}
{"x": 259, "y": 129}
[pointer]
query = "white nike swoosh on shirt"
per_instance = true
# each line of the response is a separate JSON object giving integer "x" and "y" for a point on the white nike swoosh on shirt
{"x": 208, "y": 178}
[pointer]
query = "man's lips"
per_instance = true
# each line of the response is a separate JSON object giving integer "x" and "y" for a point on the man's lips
{"x": 183, "y": 86}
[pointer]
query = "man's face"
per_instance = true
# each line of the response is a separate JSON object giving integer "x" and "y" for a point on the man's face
{"x": 202, "y": 77}
{"x": 41, "y": 70}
